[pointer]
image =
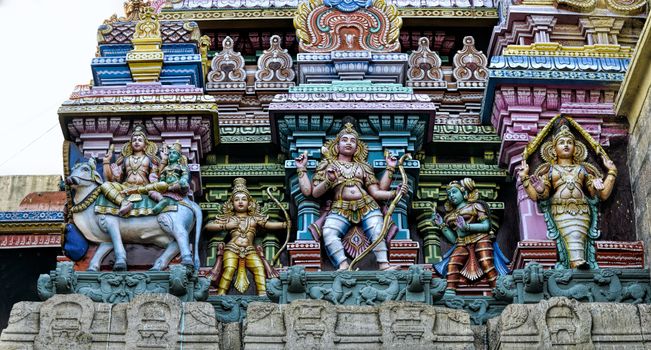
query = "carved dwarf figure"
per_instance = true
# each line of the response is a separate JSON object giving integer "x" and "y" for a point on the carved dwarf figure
{"x": 241, "y": 218}
{"x": 467, "y": 223}
{"x": 568, "y": 190}
{"x": 136, "y": 166}
{"x": 174, "y": 180}
{"x": 349, "y": 179}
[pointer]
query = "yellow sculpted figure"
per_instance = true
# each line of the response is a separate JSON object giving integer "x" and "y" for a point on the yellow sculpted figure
{"x": 241, "y": 218}
{"x": 137, "y": 165}
{"x": 568, "y": 190}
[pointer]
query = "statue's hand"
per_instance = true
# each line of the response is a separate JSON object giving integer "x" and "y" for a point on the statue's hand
{"x": 231, "y": 223}
{"x": 537, "y": 183}
{"x": 598, "y": 184}
{"x": 164, "y": 153}
{"x": 392, "y": 161}
{"x": 333, "y": 174}
{"x": 404, "y": 189}
{"x": 524, "y": 169}
{"x": 301, "y": 160}
{"x": 609, "y": 164}
{"x": 461, "y": 224}
{"x": 437, "y": 218}
{"x": 109, "y": 154}
{"x": 130, "y": 190}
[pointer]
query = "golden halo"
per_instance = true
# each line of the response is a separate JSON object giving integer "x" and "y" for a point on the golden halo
{"x": 547, "y": 152}
{"x": 580, "y": 152}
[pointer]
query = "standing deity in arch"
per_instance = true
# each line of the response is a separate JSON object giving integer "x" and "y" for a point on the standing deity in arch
{"x": 345, "y": 177}
{"x": 568, "y": 189}
{"x": 137, "y": 165}
{"x": 467, "y": 224}
{"x": 241, "y": 219}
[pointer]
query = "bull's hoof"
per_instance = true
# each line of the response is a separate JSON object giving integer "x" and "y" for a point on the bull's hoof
{"x": 187, "y": 261}
{"x": 120, "y": 266}
{"x": 92, "y": 269}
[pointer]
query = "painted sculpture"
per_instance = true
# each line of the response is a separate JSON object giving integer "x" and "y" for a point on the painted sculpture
{"x": 568, "y": 189}
{"x": 345, "y": 177}
{"x": 137, "y": 165}
{"x": 467, "y": 224}
{"x": 170, "y": 229}
{"x": 174, "y": 180}
{"x": 242, "y": 219}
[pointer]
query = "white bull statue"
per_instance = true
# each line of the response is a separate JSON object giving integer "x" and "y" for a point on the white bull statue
{"x": 169, "y": 230}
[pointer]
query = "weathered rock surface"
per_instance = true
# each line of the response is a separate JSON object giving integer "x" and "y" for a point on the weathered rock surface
{"x": 317, "y": 324}
{"x": 162, "y": 321}
{"x": 152, "y": 321}
{"x": 569, "y": 324}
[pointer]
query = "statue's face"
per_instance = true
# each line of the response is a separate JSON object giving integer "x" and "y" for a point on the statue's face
{"x": 565, "y": 148}
{"x": 455, "y": 195}
{"x": 174, "y": 156}
{"x": 347, "y": 145}
{"x": 137, "y": 143}
{"x": 241, "y": 203}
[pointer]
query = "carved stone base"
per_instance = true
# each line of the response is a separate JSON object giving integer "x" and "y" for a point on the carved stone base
{"x": 121, "y": 287}
{"x": 316, "y": 324}
{"x": 403, "y": 252}
{"x": 154, "y": 321}
{"x": 569, "y": 324}
{"x": 610, "y": 254}
{"x": 305, "y": 253}
{"x": 232, "y": 308}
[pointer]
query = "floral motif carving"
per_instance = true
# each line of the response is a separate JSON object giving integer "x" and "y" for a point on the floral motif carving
{"x": 148, "y": 27}
{"x": 625, "y": 7}
{"x": 275, "y": 65}
{"x": 228, "y": 65}
{"x": 424, "y": 64}
{"x": 469, "y": 63}
{"x": 321, "y": 28}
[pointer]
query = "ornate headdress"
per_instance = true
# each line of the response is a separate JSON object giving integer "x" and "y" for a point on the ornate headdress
{"x": 239, "y": 186}
{"x": 467, "y": 187}
{"x": 563, "y": 131}
{"x": 176, "y": 146}
{"x": 329, "y": 149}
{"x": 150, "y": 147}
{"x": 548, "y": 153}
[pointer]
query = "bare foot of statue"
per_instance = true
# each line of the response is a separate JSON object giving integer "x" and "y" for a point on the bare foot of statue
{"x": 343, "y": 266}
{"x": 388, "y": 267}
{"x": 125, "y": 208}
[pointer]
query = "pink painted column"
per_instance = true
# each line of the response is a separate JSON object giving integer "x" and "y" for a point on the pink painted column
{"x": 532, "y": 221}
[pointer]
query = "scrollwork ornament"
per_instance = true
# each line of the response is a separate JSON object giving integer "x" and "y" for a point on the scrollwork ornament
{"x": 424, "y": 64}
{"x": 469, "y": 63}
{"x": 275, "y": 64}
{"x": 228, "y": 65}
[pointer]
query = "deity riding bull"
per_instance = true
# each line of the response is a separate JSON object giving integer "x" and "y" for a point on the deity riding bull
{"x": 162, "y": 215}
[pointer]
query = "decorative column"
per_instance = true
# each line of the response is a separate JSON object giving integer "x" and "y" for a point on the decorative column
{"x": 146, "y": 59}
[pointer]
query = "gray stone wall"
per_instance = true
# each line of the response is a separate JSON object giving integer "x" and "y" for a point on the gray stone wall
{"x": 152, "y": 321}
{"x": 162, "y": 321}
{"x": 568, "y": 324}
{"x": 639, "y": 163}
